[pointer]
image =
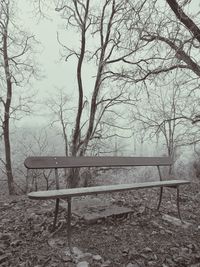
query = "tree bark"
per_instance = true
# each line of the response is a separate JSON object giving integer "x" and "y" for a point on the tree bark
{"x": 188, "y": 22}
{"x": 76, "y": 133}
{"x": 7, "y": 104}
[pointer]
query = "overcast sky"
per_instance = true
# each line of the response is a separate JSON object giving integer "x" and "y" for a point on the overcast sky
{"x": 58, "y": 74}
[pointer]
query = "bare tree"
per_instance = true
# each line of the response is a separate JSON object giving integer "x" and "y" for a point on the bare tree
{"x": 16, "y": 69}
{"x": 134, "y": 42}
{"x": 162, "y": 42}
{"x": 101, "y": 22}
{"x": 166, "y": 114}
{"x": 62, "y": 115}
{"x": 193, "y": 29}
{"x": 168, "y": 51}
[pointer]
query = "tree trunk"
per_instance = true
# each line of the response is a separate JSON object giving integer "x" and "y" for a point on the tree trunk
{"x": 6, "y": 134}
{"x": 73, "y": 178}
{"x": 7, "y": 104}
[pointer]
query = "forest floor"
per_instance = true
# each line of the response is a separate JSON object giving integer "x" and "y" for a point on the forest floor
{"x": 143, "y": 238}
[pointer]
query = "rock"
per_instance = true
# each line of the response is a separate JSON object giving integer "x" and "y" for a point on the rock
{"x": 132, "y": 265}
{"x": 61, "y": 243}
{"x": 66, "y": 258}
{"x": 125, "y": 251}
{"x": 85, "y": 256}
{"x": 133, "y": 223}
{"x": 106, "y": 264}
{"x": 147, "y": 249}
{"x": 175, "y": 221}
{"x": 92, "y": 209}
{"x": 116, "y": 235}
{"x": 33, "y": 216}
{"x": 77, "y": 252}
{"x": 155, "y": 257}
{"x": 143, "y": 256}
{"x": 83, "y": 264}
{"x": 97, "y": 258}
{"x": 162, "y": 232}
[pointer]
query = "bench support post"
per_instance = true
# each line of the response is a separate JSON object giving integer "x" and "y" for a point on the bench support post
{"x": 178, "y": 203}
{"x": 177, "y": 196}
{"x": 69, "y": 223}
{"x": 57, "y": 201}
{"x": 56, "y": 213}
{"x": 177, "y": 200}
{"x": 57, "y": 178}
{"x": 160, "y": 198}
{"x": 161, "y": 189}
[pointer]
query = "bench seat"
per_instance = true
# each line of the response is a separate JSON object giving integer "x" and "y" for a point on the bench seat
{"x": 74, "y": 192}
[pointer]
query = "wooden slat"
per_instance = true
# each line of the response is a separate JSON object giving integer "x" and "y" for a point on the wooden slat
{"x": 76, "y": 162}
{"x": 64, "y": 193}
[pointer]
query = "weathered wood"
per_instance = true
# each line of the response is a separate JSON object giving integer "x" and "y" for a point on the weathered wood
{"x": 78, "y": 162}
{"x": 73, "y": 192}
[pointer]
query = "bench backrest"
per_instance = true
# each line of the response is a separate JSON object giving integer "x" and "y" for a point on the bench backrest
{"x": 77, "y": 162}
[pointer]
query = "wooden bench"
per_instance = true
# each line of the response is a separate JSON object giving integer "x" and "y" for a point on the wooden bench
{"x": 80, "y": 162}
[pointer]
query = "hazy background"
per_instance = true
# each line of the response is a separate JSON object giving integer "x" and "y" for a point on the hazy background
{"x": 143, "y": 128}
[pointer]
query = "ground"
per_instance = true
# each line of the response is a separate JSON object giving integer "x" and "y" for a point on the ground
{"x": 143, "y": 238}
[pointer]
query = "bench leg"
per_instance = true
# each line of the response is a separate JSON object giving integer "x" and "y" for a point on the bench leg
{"x": 69, "y": 223}
{"x": 160, "y": 198}
{"x": 178, "y": 204}
{"x": 177, "y": 200}
{"x": 56, "y": 213}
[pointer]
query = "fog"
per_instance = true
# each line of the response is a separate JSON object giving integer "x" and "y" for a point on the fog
{"x": 128, "y": 135}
